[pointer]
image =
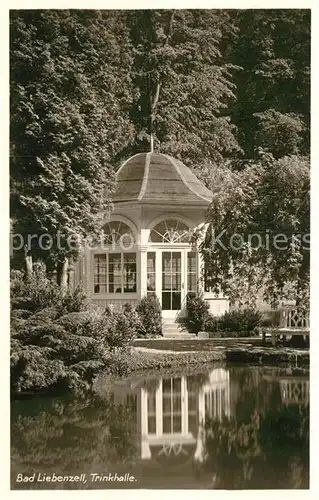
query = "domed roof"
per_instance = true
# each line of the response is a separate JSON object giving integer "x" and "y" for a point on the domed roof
{"x": 156, "y": 178}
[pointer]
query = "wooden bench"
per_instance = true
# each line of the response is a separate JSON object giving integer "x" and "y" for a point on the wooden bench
{"x": 294, "y": 320}
{"x": 287, "y": 332}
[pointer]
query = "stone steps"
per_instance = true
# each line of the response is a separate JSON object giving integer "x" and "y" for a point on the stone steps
{"x": 172, "y": 330}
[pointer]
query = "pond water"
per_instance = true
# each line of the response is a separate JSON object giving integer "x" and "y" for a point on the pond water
{"x": 225, "y": 428}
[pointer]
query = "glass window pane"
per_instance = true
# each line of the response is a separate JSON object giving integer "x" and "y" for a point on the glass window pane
{"x": 152, "y": 425}
{"x": 166, "y": 301}
{"x": 167, "y": 282}
{"x": 166, "y": 262}
{"x": 176, "y": 261}
{"x": 191, "y": 262}
{"x": 177, "y": 403}
{"x": 129, "y": 272}
{"x": 167, "y": 404}
{"x": 177, "y": 423}
{"x": 151, "y": 402}
{"x": 167, "y": 386}
{"x": 192, "y": 402}
{"x": 170, "y": 231}
{"x": 177, "y": 384}
{"x": 176, "y": 301}
{"x": 191, "y": 280}
{"x": 99, "y": 273}
{"x": 151, "y": 283}
{"x": 167, "y": 427}
{"x": 130, "y": 257}
{"x": 151, "y": 262}
{"x": 115, "y": 229}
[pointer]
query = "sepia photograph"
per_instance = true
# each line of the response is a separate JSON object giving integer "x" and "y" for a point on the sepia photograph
{"x": 159, "y": 248}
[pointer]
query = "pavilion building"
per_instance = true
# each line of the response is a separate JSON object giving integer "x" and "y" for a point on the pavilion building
{"x": 149, "y": 245}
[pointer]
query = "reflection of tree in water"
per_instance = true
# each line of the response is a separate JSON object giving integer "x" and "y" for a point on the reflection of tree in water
{"x": 151, "y": 384}
{"x": 73, "y": 435}
{"x": 197, "y": 380}
{"x": 269, "y": 450}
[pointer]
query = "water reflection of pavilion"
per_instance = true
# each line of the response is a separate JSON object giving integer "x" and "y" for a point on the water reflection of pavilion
{"x": 294, "y": 390}
{"x": 171, "y": 413}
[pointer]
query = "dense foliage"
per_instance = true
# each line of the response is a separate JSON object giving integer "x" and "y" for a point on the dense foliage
{"x": 69, "y": 434}
{"x": 264, "y": 443}
{"x": 60, "y": 341}
{"x": 272, "y": 109}
{"x": 215, "y": 88}
{"x": 197, "y": 314}
{"x": 252, "y": 438}
{"x": 184, "y": 87}
{"x": 238, "y": 322}
{"x": 259, "y": 234}
{"x": 150, "y": 317}
{"x": 70, "y": 93}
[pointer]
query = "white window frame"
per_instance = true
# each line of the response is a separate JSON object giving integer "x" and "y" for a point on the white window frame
{"x": 109, "y": 294}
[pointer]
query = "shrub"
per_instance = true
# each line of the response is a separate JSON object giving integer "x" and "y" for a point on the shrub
{"x": 270, "y": 319}
{"x": 213, "y": 325}
{"x": 74, "y": 301}
{"x": 120, "y": 327}
{"x": 32, "y": 369}
{"x": 150, "y": 317}
{"x": 241, "y": 321}
{"x": 35, "y": 293}
{"x": 34, "y": 335}
{"x": 45, "y": 315}
{"x": 20, "y": 314}
{"x": 82, "y": 323}
{"x": 197, "y": 314}
{"x": 39, "y": 292}
{"x": 237, "y": 323}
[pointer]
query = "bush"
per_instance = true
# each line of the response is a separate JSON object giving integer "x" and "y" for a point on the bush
{"x": 243, "y": 321}
{"x": 39, "y": 292}
{"x": 237, "y": 323}
{"x": 197, "y": 314}
{"x": 150, "y": 317}
{"x": 114, "y": 328}
{"x": 74, "y": 301}
{"x": 45, "y": 315}
{"x": 270, "y": 319}
{"x": 32, "y": 369}
{"x": 35, "y": 293}
{"x": 120, "y": 327}
{"x": 213, "y": 325}
{"x": 35, "y": 335}
{"x": 82, "y": 323}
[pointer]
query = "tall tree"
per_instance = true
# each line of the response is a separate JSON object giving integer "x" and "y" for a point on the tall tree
{"x": 259, "y": 231}
{"x": 183, "y": 86}
{"x": 272, "y": 110}
{"x": 70, "y": 95}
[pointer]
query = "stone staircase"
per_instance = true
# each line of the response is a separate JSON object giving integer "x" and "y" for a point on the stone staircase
{"x": 172, "y": 330}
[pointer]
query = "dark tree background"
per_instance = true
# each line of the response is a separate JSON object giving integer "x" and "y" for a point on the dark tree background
{"x": 218, "y": 89}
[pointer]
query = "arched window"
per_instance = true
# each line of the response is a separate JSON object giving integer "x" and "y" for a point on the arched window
{"x": 117, "y": 232}
{"x": 170, "y": 231}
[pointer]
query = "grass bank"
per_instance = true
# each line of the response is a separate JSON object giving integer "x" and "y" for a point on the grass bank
{"x": 161, "y": 361}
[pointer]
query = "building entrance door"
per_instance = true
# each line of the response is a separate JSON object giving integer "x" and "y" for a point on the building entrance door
{"x": 173, "y": 286}
{"x": 172, "y": 274}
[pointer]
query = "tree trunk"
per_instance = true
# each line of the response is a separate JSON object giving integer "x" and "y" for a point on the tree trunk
{"x": 28, "y": 262}
{"x": 71, "y": 275}
{"x": 63, "y": 278}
